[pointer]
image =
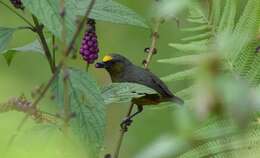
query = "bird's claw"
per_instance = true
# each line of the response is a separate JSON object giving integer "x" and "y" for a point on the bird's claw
{"x": 125, "y": 123}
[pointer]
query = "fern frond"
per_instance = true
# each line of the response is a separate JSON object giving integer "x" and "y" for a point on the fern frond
{"x": 233, "y": 143}
{"x": 227, "y": 22}
{"x": 215, "y": 16}
{"x": 202, "y": 36}
{"x": 246, "y": 60}
{"x": 185, "y": 60}
{"x": 197, "y": 28}
{"x": 194, "y": 47}
{"x": 183, "y": 75}
{"x": 186, "y": 93}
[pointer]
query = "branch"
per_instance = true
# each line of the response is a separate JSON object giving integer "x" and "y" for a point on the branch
{"x": 151, "y": 51}
{"x": 39, "y": 31}
{"x": 17, "y": 14}
{"x": 57, "y": 70}
{"x": 53, "y": 40}
{"x": 122, "y": 133}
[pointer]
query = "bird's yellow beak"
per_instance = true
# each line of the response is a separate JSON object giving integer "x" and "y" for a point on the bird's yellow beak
{"x": 107, "y": 58}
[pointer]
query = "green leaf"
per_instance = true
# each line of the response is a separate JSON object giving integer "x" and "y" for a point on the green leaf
{"x": 215, "y": 13}
{"x": 124, "y": 92}
{"x": 5, "y": 37}
{"x": 87, "y": 103}
{"x": 182, "y": 75}
{"x": 113, "y": 12}
{"x": 228, "y": 145}
{"x": 187, "y": 92}
{"x": 197, "y": 28}
{"x": 47, "y": 12}
{"x": 201, "y": 36}
{"x": 34, "y": 47}
{"x": 184, "y": 60}
{"x": 227, "y": 21}
{"x": 198, "y": 46}
{"x": 196, "y": 14}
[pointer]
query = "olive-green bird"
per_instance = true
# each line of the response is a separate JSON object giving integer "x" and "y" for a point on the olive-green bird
{"x": 122, "y": 70}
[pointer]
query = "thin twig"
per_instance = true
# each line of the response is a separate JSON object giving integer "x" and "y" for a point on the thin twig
{"x": 16, "y": 13}
{"x": 151, "y": 52}
{"x": 54, "y": 75}
{"x": 39, "y": 31}
{"x": 152, "y": 49}
{"x": 122, "y": 133}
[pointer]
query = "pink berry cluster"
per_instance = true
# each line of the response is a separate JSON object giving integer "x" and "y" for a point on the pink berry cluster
{"x": 89, "y": 46}
{"x": 17, "y": 4}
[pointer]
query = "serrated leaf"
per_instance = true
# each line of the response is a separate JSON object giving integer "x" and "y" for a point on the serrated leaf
{"x": 124, "y": 92}
{"x": 31, "y": 47}
{"x": 182, "y": 75}
{"x": 114, "y": 12}
{"x": 47, "y": 12}
{"x": 87, "y": 103}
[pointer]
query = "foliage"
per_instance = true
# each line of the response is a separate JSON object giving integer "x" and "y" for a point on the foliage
{"x": 87, "y": 104}
{"x": 218, "y": 56}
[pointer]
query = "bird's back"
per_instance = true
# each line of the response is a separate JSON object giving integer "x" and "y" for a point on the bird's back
{"x": 139, "y": 75}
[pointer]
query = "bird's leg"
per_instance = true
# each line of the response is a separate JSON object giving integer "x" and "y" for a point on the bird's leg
{"x": 128, "y": 120}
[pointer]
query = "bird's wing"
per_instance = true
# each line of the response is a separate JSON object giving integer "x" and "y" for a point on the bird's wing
{"x": 161, "y": 86}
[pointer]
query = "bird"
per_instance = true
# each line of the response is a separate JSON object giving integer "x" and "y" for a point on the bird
{"x": 123, "y": 70}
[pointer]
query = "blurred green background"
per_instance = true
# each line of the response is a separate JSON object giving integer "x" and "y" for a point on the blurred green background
{"x": 29, "y": 70}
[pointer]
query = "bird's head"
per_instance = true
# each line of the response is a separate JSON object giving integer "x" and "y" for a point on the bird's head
{"x": 114, "y": 63}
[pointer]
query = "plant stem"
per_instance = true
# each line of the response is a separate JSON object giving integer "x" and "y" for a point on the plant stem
{"x": 39, "y": 31}
{"x": 146, "y": 64}
{"x": 152, "y": 50}
{"x": 53, "y": 51}
{"x": 16, "y": 13}
{"x": 122, "y": 133}
{"x": 87, "y": 67}
{"x": 55, "y": 74}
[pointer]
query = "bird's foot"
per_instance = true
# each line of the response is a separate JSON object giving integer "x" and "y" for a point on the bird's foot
{"x": 126, "y": 123}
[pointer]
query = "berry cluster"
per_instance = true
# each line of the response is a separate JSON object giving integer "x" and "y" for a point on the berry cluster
{"x": 17, "y": 4}
{"x": 89, "y": 46}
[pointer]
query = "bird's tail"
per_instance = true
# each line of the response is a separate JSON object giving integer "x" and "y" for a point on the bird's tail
{"x": 177, "y": 100}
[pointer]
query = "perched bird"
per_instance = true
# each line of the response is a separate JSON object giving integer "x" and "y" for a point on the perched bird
{"x": 123, "y": 70}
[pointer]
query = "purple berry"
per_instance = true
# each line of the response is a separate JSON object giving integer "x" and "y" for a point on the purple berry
{"x": 17, "y": 4}
{"x": 89, "y": 45}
